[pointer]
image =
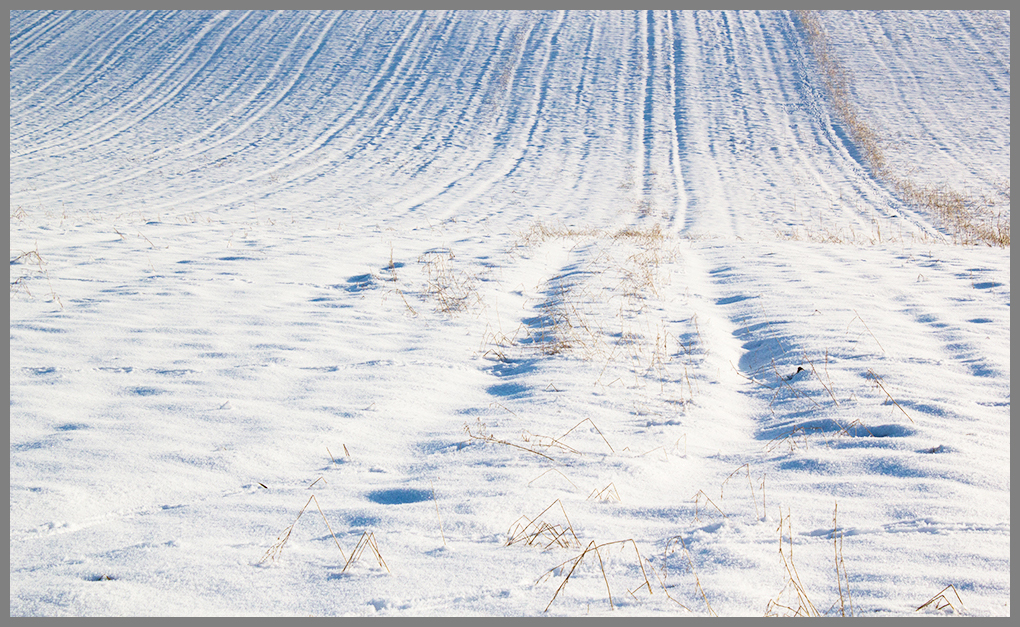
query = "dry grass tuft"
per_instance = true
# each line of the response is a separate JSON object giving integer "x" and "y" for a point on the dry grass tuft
{"x": 608, "y": 493}
{"x": 754, "y": 498}
{"x": 642, "y": 270}
{"x": 597, "y": 550}
{"x": 594, "y": 426}
{"x": 557, "y": 472}
{"x": 499, "y": 342}
{"x": 792, "y": 438}
{"x": 536, "y": 531}
{"x": 277, "y": 548}
{"x": 793, "y": 592}
{"x": 453, "y": 291}
{"x": 697, "y": 500}
{"x": 481, "y": 434}
{"x": 540, "y": 232}
{"x": 857, "y": 316}
{"x": 31, "y": 256}
{"x": 671, "y": 548}
{"x": 565, "y": 328}
{"x": 20, "y": 284}
{"x": 879, "y": 383}
{"x": 842, "y": 583}
{"x": 400, "y": 292}
{"x": 828, "y": 388}
{"x": 970, "y": 219}
{"x": 367, "y": 541}
{"x": 626, "y": 262}
{"x": 941, "y": 601}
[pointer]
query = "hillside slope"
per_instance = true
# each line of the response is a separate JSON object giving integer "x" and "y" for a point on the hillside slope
{"x": 569, "y": 312}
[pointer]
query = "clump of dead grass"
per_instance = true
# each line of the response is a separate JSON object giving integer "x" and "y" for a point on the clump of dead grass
{"x": 846, "y": 601}
{"x": 687, "y": 566}
{"x": 20, "y": 284}
{"x": 366, "y": 541}
{"x": 539, "y": 531}
{"x": 608, "y": 493}
{"x": 276, "y": 550}
{"x": 540, "y": 232}
{"x": 971, "y": 219}
{"x": 537, "y": 444}
{"x": 597, "y": 550}
{"x": 480, "y": 433}
{"x": 940, "y": 601}
{"x": 792, "y": 599}
{"x": 453, "y": 290}
{"x": 565, "y": 326}
{"x": 793, "y": 593}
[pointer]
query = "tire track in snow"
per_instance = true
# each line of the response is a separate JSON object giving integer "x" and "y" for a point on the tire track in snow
{"x": 575, "y": 154}
{"x": 98, "y": 44}
{"x": 598, "y": 152}
{"x": 608, "y": 171}
{"x": 661, "y": 180}
{"x": 406, "y": 122}
{"x": 755, "y": 314}
{"x": 291, "y": 354}
{"x": 598, "y": 117}
{"x": 511, "y": 155}
{"x": 750, "y": 312}
{"x": 413, "y": 91}
{"x": 394, "y": 65}
{"x": 251, "y": 106}
{"x": 543, "y": 78}
{"x": 328, "y": 150}
{"x": 384, "y": 93}
{"x": 695, "y": 132}
{"x": 367, "y": 102}
{"x": 517, "y": 151}
{"x": 878, "y": 323}
{"x": 104, "y": 180}
{"x": 784, "y": 47}
{"x": 679, "y": 209}
{"x": 163, "y": 80}
{"x": 267, "y": 105}
{"x": 435, "y": 143}
{"x": 646, "y": 121}
{"x": 107, "y": 62}
{"x": 487, "y": 99}
{"x": 39, "y": 25}
{"x": 298, "y": 74}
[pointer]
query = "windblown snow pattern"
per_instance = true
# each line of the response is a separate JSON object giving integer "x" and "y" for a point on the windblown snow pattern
{"x": 511, "y": 313}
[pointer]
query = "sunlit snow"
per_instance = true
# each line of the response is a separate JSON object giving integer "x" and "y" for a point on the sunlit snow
{"x": 568, "y": 313}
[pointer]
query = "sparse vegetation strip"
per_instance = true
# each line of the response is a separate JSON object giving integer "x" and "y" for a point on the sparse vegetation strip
{"x": 969, "y": 219}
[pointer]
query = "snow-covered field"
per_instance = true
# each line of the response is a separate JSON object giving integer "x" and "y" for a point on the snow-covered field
{"x": 521, "y": 299}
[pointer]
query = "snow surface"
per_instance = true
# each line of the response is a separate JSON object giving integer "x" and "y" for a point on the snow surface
{"x": 493, "y": 287}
